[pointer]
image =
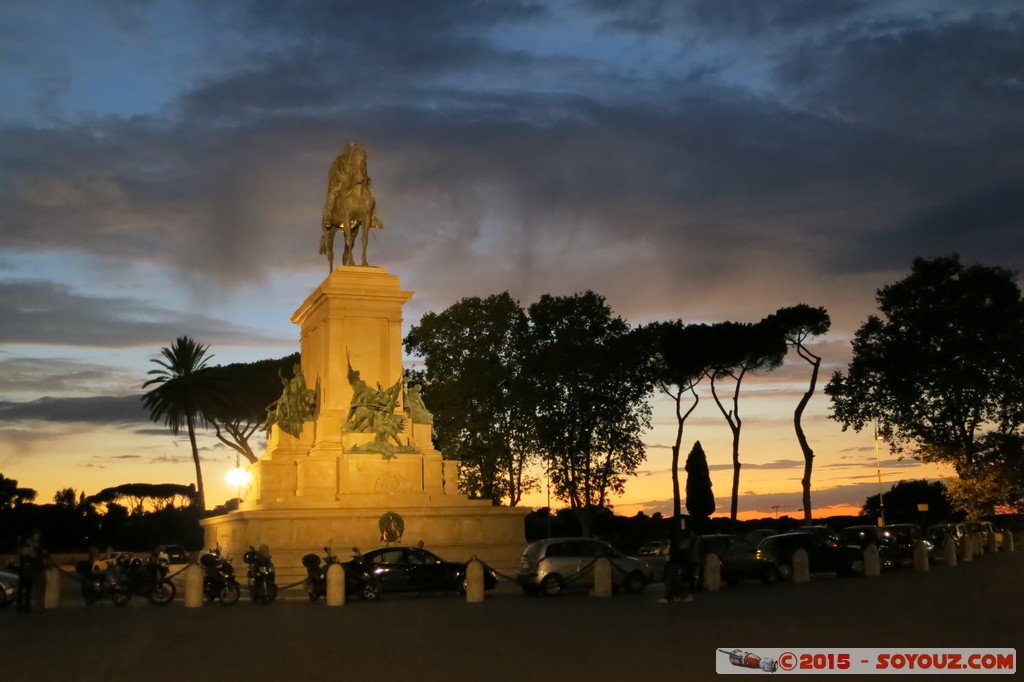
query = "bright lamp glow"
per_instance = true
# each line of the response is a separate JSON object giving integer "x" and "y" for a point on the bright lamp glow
{"x": 237, "y": 477}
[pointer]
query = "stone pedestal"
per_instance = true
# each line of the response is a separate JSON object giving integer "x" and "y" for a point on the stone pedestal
{"x": 309, "y": 492}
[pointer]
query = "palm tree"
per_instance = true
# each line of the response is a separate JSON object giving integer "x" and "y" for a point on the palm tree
{"x": 185, "y": 392}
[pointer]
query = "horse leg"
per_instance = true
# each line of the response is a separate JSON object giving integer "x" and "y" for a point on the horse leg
{"x": 328, "y": 244}
{"x": 346, "y": 259}
{"x": 366, "y": 238}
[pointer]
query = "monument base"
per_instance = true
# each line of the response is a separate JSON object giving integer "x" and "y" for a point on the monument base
{"x": 492, "y": 534}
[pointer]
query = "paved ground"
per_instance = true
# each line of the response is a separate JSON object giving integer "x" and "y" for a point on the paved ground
{"x": 512, "y": 637}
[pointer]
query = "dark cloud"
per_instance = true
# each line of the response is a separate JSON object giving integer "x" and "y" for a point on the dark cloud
{"x": 779, "y": 464}
{"x": 985, "y": 226}
{"x": 226, "y": 185}
{"x": 60, "y": 376}
{"x": 723, "y": 17}
{"x": 55, "y": 314}
{"x": 928, "y": 78}
{"x": 94, "y": 410}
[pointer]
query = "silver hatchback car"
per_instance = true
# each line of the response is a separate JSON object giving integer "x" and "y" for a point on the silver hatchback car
{"x": 548, "y": 566}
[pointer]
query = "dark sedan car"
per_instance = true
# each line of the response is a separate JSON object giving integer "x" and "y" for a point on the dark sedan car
{"x": 175, "y": 554}
{"x": 739, "y": 558}
{"x": 412, "y": 569}
{"x": 890, "y": 554}
{"x": 907, "y": 535}
{"x": 822, "y": 555}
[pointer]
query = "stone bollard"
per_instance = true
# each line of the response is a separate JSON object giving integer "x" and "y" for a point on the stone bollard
{"x": 872, "y": 562}
{"x": 51, "y": 597}
{"x": 966, "y": 551}
{"x": 949, "y": 550}
{"x": 1007, "y": 541}
{"x": 193, "y": 586}
{"x": 335, "y": 585}
{"x": 712, "y": 572}
{"x": 475, "y": 580}
{"x": 991, "y": 545}
{"x": 976, "y": 546}
{"x": 801, "y": 567}
{"x": 921, "y": 556}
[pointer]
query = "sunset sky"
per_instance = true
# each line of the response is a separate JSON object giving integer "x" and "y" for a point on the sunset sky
{"x": 163, "y": 170}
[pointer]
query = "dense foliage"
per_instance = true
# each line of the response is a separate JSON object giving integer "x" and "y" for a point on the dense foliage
{"x": 941, "y": 372}
{"x": 132, "y": 516}
{"x": 563, "y": 383}
{"x": 473, "y": 385}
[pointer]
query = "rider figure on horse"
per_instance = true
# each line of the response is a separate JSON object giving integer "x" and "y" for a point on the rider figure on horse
{"x": 350, "y": 204}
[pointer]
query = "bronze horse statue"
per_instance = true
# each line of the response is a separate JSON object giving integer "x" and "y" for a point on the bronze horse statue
{"x": 350, "y": 205}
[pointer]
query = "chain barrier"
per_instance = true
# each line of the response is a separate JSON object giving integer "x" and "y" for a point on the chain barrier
{"x": 440, "y": 583}
{"x": 181, "y": 570}
{"x": 497, "y": 572}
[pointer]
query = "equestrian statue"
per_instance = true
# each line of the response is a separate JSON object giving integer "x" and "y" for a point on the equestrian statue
{"x": 350, "y": 205}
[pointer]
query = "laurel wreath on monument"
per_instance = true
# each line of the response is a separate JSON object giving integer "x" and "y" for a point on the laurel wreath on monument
{"x": 392, "y": 526}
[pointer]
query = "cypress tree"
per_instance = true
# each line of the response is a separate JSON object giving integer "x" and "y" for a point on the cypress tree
{"x": 700, "y": 500}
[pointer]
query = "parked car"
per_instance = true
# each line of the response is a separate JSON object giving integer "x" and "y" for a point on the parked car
{"x": 548, "y": 566}
{"x": 8, "y": 587}
{"x": 890, "y": 554}
{"x": 907, "y": 535}
{"x": 984, "y": 529}
{"x": 115, "y": 558}
{"x": 755, "y": 536}
{"x": 413, "y": 569}
{"x": 740, "y": 560}
{"x": 822, "y": 530}
{"x": 175, "y": 554}
{"x": 938, "y": 532}
{"x": 822, "y": 555}
{"x": 654, "y": 548}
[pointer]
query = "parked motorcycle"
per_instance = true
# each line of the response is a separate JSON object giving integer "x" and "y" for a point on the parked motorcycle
{"x": 219, "y": 578}
{"x": 104, "y": 582}
{"x": 359, "y": 578}
{"x": 262, "y": 587}
{"x": 149, "y": 579}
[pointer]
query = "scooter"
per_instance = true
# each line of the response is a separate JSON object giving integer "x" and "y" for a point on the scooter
{"x": 262, "y": 587}
{"x": 149, "y": 579}
{"x": 219, "y": 578}
{"x": 358, "y": 578}
{"x": 104, "y": 583}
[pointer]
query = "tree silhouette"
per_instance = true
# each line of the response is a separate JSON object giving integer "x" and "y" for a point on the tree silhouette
{"x": 249, "y": 388}
{"x": 797, "y": 324}
{"x": 942, "y": 374}
{"x": 65, "y": 498}
{"x": 742, "y": 349}
{"x": 474, "y": 386}
{"x": 590, "y": 381}
{"x": 903, "y": 499}
{"x": 700, "y": 499}
{"x": 11, "y": 495}
{"x": 680, "y": 357}
{"x": 185, "y": 393}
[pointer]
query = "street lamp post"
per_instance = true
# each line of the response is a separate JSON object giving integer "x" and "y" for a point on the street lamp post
{"x": 878, "y": 469}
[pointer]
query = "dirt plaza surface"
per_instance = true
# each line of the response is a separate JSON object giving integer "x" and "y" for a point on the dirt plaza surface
{"x": 513, "y": 637}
